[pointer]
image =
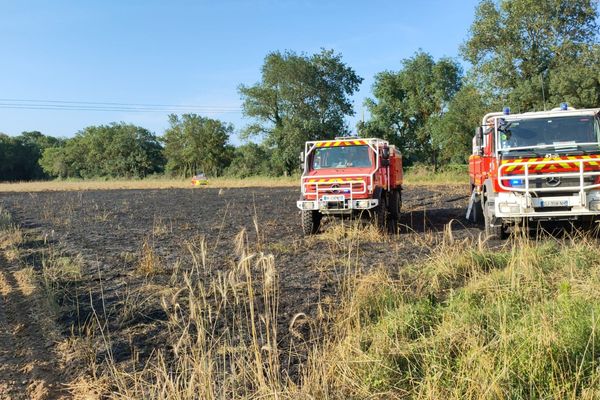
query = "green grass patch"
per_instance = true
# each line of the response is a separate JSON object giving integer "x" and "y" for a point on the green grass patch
{"x": 520, "y": 323}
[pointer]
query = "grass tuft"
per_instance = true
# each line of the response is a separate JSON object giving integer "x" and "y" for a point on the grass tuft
{"x": 519, "y": 322}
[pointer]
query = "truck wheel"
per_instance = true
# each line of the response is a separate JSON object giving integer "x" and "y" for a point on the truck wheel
{"x": 380, "y": 213}
{"x": 477, "y": 211}
{"x": 394, "y": 210}
{"x": 395, "y": 204}
{"x": 311, "y": 222}
{"x": 493, "y": 232}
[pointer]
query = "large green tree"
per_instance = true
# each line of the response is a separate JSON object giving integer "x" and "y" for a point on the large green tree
{"x": 529, "y": 53}
{"x": 452, "y": 132}
{"x": 299, "y": 98}
{"x": 194, "y": 143}
{"x": 409, "y": 102}
{"x": 19, "y": 155}
{"x": 251, "y": 159}
{"x": 115, "y": 150}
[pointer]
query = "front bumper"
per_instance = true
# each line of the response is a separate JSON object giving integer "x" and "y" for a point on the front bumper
{"x": 337, "y": 206}
{"x": 559, "y": 206}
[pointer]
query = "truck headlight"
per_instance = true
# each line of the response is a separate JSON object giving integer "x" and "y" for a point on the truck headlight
{"x": 509, "y": 208}
{"x": 362, "y": 203}
{"x": 308, "y": 205}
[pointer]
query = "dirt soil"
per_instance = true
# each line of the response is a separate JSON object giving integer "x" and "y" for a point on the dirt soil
{"x": 29, "y": 366}
{"x": 109, "y": 230}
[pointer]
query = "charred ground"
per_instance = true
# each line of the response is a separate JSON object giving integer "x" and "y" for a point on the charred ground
{"x": 128, "y": 241}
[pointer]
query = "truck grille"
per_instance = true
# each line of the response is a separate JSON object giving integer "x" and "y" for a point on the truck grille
{"x": 356, "y": 187}
{"x": 559, "y": 182}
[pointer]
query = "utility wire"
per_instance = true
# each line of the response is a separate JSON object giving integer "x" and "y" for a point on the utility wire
{"x": 148, "y": 110}
{"x": 63, "y": 105}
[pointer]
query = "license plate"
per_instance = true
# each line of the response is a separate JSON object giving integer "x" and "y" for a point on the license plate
{"x": 333, "y": 197}
{"x": 553, "y": 203}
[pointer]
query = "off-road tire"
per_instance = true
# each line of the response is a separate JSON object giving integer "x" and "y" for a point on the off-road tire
{"x": 311, "y": 222}
{"x": 492, "y": 232}
{"x": 381, "y": 213}
{"x": 394, "y": 206}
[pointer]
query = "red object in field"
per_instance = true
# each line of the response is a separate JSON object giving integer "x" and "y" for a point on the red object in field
{"x": 349, "y": 176}
{"x": 535, "y": 166}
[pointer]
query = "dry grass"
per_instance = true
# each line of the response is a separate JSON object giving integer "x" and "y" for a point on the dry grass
{"x": 356, "y": 231}
{"x": 469, "y": 322}
{"x": 414, "y": 176}
{"x": 206, "y": 359}
{"x": 11, "y": 237}
{"x": 149, "y": 262}
{"x": 164, "y": 183}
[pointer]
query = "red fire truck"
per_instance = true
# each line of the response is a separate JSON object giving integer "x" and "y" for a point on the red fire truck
{"x": 535, "y": 166}
{"x": 350, "y": 176}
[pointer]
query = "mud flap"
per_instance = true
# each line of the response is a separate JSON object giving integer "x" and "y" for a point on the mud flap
{"x": 474, "y": 204}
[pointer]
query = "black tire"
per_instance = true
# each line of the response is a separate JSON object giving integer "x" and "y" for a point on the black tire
{"x": 395, "y": 204}
{"x": 311, "y": 222}
{"x": 394, "y": 207}
{"x": 381, "y": 214}
{"x": 493, "y": 232}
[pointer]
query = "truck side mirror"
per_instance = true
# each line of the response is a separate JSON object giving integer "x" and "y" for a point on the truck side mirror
{"x": 478, "y": 141}
{"x": 479, "y": 136}
{"x": 301, "y": 157}
{"x": 385, "y": 153}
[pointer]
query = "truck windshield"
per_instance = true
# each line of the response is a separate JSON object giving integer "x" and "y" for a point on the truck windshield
{"x": 549, "y": 132}
{"x": 341, "y": 157}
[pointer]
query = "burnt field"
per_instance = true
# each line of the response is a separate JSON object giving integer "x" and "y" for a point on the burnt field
{"x": 128, "y": 245}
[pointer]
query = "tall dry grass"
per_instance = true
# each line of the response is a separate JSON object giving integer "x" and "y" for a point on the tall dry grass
{"x": 413, "y": 176}
{"x": 519, "y": 321}
{"x": 222, "y": 335}
{"x": 470, "y": 321}
{"x": 150, "y": 183}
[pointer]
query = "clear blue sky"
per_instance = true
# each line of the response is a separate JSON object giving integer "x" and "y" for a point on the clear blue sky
{"x": 196, "y": 52}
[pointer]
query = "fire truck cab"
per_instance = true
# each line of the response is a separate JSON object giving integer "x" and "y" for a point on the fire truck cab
{"x": 535, "y": 166}
{"x": 350, "y": 176}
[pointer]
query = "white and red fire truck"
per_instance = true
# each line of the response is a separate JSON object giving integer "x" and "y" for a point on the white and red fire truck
{"x": 350, "y": 176}
{"x": 535, "y": 166}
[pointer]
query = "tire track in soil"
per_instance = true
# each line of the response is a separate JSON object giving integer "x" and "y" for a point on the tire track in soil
{"x": 28, "y": 366}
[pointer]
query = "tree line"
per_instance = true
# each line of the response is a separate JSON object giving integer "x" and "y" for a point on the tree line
{"x": 525, "y": 54}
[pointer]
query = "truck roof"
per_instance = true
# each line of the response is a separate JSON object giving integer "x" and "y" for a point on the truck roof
{"x": 347, "y": 141}
{"x": 556, "y": 112}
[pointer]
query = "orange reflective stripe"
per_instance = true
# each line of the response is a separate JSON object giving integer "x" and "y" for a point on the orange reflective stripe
{"x": 514, "y": 167}
{"x": 337, "y": 143}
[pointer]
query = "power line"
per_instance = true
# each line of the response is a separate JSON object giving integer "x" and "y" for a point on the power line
{"x": 63, "y": 105}
{"x": 153, "y": 110}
